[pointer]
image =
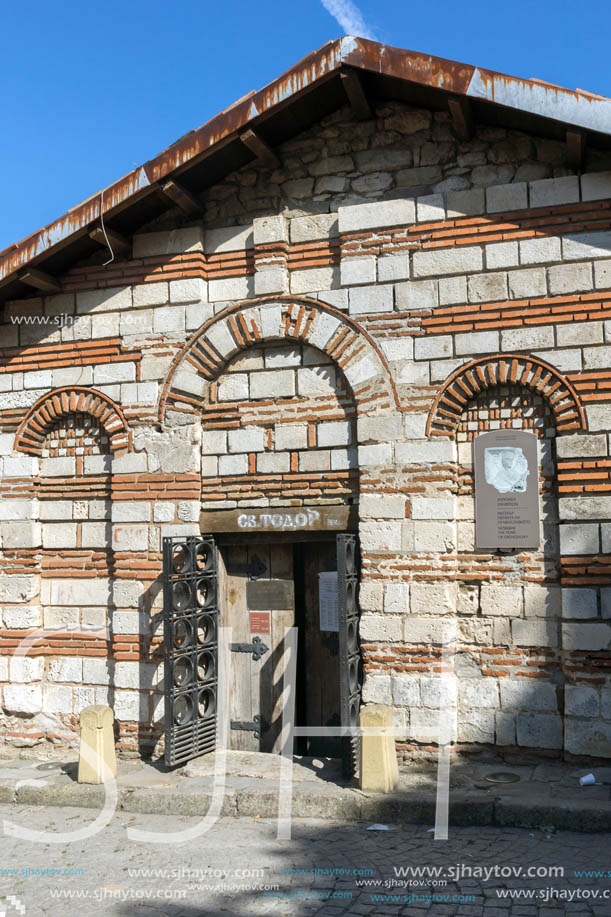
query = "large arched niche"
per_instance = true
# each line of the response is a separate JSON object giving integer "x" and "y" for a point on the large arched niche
{"x": 283, "y": 319}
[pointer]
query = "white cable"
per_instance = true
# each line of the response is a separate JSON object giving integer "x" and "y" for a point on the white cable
{"x": 112, "y": 254}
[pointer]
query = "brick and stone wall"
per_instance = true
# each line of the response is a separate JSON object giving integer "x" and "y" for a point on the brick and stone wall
{"x": 334, "y": 331}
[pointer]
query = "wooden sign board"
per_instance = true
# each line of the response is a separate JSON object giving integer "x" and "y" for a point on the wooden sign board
{"x": 260, "y": 622}
{"x": 506, "y": 469}
{"x": 278, "y": 519}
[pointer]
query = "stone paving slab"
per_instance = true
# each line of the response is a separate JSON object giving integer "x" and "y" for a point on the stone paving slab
{"x": 546, "y": 794}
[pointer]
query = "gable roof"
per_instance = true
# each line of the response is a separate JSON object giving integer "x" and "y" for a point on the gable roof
{"x": 317, "y": 85}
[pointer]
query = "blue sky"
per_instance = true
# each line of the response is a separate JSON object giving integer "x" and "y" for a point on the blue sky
{"x": 91, "y": 90}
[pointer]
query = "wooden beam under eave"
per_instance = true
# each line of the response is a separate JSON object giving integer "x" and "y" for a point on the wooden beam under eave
{"x": 117, "y": 242}
{"x": 179, "y": 195}
{"x": 462, "y": 117}
{"x": 353, "y": 87}
{"x": 39, "y": 280}
{"x": 576, "y": 150}
{"x": 262, "y": 150}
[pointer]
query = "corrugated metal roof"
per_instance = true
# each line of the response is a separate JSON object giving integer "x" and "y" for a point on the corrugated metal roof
{"x": 572, "y": 108}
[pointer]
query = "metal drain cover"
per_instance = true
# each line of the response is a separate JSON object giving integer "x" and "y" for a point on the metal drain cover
{"x": 502, "y": 777}
{"x": 49, "y": 766}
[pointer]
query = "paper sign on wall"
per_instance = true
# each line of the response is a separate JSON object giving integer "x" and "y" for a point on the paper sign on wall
{"x": 327, "y": 597}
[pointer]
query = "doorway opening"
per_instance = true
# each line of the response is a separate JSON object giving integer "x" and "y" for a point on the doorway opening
{"x": 267, "y": 587}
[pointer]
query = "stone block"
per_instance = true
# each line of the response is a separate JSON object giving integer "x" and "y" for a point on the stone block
{"x": 423, "y": 631}
{"x": 371, "y": 596}
{"x": 354, "y": 271}
{"x": 534, "y": 633}
{"x": 433, "y": 507}
{"x": 405, "y": 690}
{"x": 59, "y": 535}
{"x": 477, "y": 727}
{"x": 315, "y": 460}
{"x": 267, "y": 230}
{"x": 173, "y": 242}
{"x": 396, "y": 212}
{"x": 66, "y": 668}
{"x": 426, "y": 453}
{"x": 579, "y": 539}
{"x": 130, "y": 537}
{"x": 379, "y": 428}
{"x": 396, "y": 598}
{"x": 567, "y": 361}
{"x": 595, "y": 186}
{"x": 274, "y": 463}
{"x": 97, "y": 671}
{"x": 279, "y": 383}
{"x": 18, "y": 587}
{"x": 586, "y": 245}
{"x": 214, "y": 442}
{"x": 587, "y": 636}
{"x": 540, "y": 251}
{"x": 380, "y": 536}
{"x": 585, "y": 507}
{"x": 234, "y": 387}
{"x": 358, "y": 372}
{"x": 417, "y": 294}
{"x": 501, "y": 600}
{"x": 527, "y": 338}
{"x": 527, "y": 282}
{"x": 22, "y": 698}
{"x": 26, "y": 669}
{"x": 23, "y": 466}
{"x": 380, "y": 628}
{"x": 541, "y": 601}
{"x": 291, "y": 436}
{"x": 334, "y": 433}
{"x": 505, "y": 729}
{"x": 465, "y": 203}
{"x": 393, "y": 267}
{"x": 570, "y": 278}
{"x": 248, "y": 439}
{"x": 230, "y": 289}
{"x": 17, "y": 510}
{"x": 399, "y": 349}
{"x": 539, "y": 731}
{"x": 507, "y": 197}
{"x": 229, "y": 239}
{"x": 371, "y": 299}
{"x": 430, "y": 207}
{"x": 487, "y": 287}
{"x": 377, "y": 689}
{"x": 599, "y": 418}
{"x": 21, "y": 534}
{"x": 475, "y": 343}
{"x": 414, "y": 374}
{"x": 596, "y": 357}
{"x": 502, "y": 254}
{"x": 579, "y": 445}
{"x": 313, "y": 227}
{"x": 110, "y": 299}
{"x": 131, "y": 511}
{"x": 460, "y": 260}
{"x": 579, "y": 332}
{"x": 550, "y": 191}
{"x": 478, "y": 692}
{"x": 579, "y": 602}
{"x": 150, "y": 294}
{"x": 527, "y": 694}
{"x": 433, "y": 598}
{"x": 439, "y": 691}
{"x": 435, "y": 537}
{"x": 372, "y": 456}
{"x": 270, "y": 279}
{"x": 452, "y": 290}
{"x": 433, "y": 347}
{"x": 581, "y": 700}
{"x": 382, "y": 506}
{"x": 233, "y": 464}
{"x": 591, "y": 738}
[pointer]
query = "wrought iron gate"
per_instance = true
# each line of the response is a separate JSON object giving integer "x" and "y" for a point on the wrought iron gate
{"x": 350, "y": 666}
{"x": 191, "y": 620}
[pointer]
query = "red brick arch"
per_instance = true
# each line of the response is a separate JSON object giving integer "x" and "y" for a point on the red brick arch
{"x": 50, "y": 408}
{"x": 282, "y": 318}
{"x": 505, "y": 369}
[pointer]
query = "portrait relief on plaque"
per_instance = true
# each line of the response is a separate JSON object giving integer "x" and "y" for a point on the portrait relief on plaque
{"x": 506, "y": 469}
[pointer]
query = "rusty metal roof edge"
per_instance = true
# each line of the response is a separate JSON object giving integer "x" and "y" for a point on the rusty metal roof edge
{"x": 575, "y": 108}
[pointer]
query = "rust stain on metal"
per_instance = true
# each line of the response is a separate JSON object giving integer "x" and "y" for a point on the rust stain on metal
{"x": 423, "y": 69}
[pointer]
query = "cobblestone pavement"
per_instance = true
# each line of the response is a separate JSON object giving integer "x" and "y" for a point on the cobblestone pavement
{"x": 240, "y": 868}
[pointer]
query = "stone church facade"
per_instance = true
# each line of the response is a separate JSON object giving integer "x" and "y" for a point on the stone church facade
{"x": 326, "y": 328}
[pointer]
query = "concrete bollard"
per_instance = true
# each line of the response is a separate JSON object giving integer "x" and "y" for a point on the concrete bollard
{"x": 379, "y": 771}
{"x": 97, "y": 735}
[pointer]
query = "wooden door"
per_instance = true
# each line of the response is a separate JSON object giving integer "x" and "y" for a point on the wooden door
{"x": 258, "y": 603}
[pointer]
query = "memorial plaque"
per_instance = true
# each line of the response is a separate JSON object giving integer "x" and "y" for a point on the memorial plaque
{"x": 506, "y": 467}
{"x": 269, "y": 595}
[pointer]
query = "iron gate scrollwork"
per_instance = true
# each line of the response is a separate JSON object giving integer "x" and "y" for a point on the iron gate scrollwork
{"x": 350, "y": 666}
{"x": 191, "y": 621}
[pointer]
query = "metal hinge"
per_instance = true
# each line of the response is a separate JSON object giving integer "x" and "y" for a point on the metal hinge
{"x": 257, "y": 648}
{"x": 258, "y": 726}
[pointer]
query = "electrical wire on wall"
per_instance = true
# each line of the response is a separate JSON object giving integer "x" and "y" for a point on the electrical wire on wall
{"x": 112, "y": 254}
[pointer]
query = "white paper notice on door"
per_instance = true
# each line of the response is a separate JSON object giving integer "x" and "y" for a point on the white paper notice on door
{"x": 327, "y": 593}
